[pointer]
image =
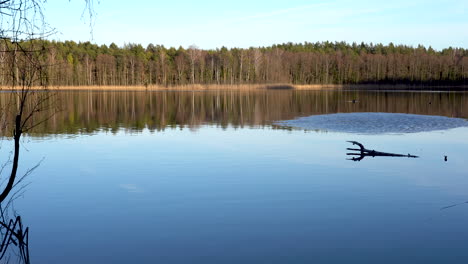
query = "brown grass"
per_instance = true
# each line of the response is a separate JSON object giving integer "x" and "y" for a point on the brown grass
{"x": 213, "y": 87}
{"x": 196, "y": 87}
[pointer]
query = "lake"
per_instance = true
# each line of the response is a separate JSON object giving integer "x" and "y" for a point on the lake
{"x": 224, "y": 177}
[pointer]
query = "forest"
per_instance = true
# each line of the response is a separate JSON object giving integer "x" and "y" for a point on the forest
{"x": 85, "y": 64}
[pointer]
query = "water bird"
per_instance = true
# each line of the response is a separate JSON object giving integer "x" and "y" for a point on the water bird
{"x": 445, "y": 158}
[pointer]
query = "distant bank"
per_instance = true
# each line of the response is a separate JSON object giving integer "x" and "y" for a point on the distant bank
{"x": 314, "y": 65}
{"x": 214, "y": 87}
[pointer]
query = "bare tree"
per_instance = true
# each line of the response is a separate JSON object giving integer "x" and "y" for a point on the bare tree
{"x": 257, "y": 60}
{"x": 22, "y": 27}
{"x": 194, "y": 54}
{"x": 180, "y": 65}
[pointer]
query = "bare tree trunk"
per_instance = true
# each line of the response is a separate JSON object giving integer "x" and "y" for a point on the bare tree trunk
{"x": 240, "y": 66}
{"x": 17, "y": 135}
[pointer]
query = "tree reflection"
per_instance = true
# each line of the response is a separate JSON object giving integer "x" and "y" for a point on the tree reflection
{"x": 88, "y": 112}
{"x": 14, "y": 235}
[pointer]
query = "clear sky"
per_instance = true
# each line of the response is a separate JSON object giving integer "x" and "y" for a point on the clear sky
{"x": 244, "y": 23}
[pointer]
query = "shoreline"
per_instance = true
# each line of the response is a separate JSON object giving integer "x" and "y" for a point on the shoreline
{"x": 234, "y": 87}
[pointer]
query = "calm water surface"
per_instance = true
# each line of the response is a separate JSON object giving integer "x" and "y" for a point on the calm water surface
{"x": 207, "y": 177}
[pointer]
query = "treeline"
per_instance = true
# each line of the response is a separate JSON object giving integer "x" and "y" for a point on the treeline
{"x": 78, "y": 64}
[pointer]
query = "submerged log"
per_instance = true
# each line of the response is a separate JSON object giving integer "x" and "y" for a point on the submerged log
{"x": 363, "y": 152}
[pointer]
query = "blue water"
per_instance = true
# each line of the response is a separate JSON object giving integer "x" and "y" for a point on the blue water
{"x": 375, "y": 123}
{"x": 210, "y": 177}
{"x": 252, "y": 195}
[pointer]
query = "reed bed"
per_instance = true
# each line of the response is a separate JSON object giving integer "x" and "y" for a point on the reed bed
{"x": 213, "y": 87}
{"x": 195, "y": 87}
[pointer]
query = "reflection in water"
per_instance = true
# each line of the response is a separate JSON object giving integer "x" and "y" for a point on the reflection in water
{"x": 88, "y": 112}
{"x": 25, "y": 105}
{"x": 15, "y": 235}
{"x": 206, "y": 184}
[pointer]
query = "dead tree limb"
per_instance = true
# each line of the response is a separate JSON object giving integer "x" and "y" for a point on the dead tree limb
{"x": 363, "y": 152}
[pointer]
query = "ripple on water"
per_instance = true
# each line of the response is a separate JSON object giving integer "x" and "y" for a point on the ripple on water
{"x": 375, "y": 123}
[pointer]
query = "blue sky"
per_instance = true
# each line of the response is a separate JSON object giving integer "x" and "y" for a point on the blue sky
{"x": 245, "y": 23}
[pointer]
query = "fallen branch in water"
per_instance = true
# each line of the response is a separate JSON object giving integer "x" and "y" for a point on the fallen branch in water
{"x": 363, "y": 152}
{"x": 453, "y": 205}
